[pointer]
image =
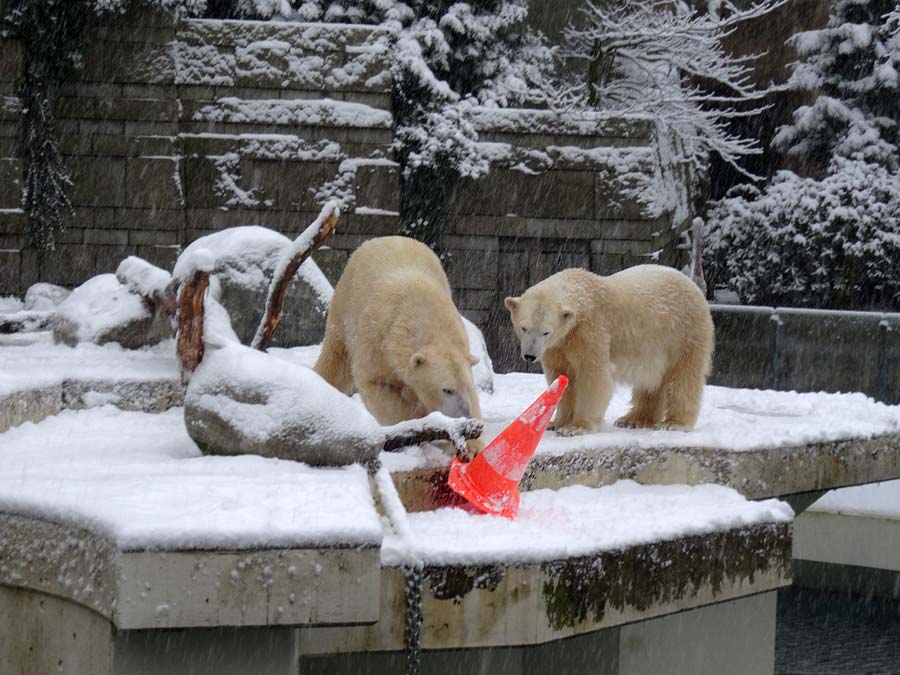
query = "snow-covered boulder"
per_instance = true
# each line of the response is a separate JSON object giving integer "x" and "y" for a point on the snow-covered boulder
{"x": 243, "y": 401}
{"x": 102, "y": 310}
{"x": 42, "y": 297}
{"x": 483, "y": 371}
{"x": 242, "y": 261}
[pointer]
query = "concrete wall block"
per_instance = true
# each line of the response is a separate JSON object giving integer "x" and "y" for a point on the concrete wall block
{"x": 153, "y": 237}
{"x": 67, "y": 266}
{"x": 12, "y": 58}
{"x": 472, "y": 269}
{"x": 200, "y": 178}
{"x": 9, "y": 129}
{"x": 75, "y": 144}
{"x": 75, "y": 106}
{"x": 108, "y": 257}
{"x": 139, "y": 109}
{"x": 332, "y": 262}
{"x": 611, "y": 202}
{"x": 97, "y": 181}
{"x": 553, "y": 194}
{"x": 10, "y": 183}
{"x": 743, "y": 352}
{"x": 475, "y": 299}
{"x": 828, "y": 351}
{"x": 162, "y": 256}
{"x": 152, "y": 183}
{"x": 8, "y": 147}
{"x": 289, "y": 185}
{"x": 106, "y": 237}
{"x": 378, "y": 187}
{"x": 10, "y": 272}
{"x": 166, "y": 220}
{"x": 12, "y": 221}
{"x": 373, "y": 224}
{"x": 127, "y": 62}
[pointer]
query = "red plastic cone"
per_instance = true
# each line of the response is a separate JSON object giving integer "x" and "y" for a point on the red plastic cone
{"x": 491, "y": 480}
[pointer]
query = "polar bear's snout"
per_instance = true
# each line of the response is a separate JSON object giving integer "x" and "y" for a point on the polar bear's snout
{"x": 456, "y": 406}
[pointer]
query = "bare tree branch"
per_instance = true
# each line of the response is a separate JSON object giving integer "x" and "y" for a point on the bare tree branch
{"x": 189, "y": 343}
{"x": 311, "y": 238}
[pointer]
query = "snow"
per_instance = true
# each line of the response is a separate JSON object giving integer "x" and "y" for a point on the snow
{"x": 294, "y": 112}
{"x": 246, "y": 256}
{"x": 44, "y": 364}
{"x": 279, "y": 397}
{"x": 575, "y": 521}
{"x": 99, "y": 305}
{"x": 42, "y": 297}
{"x": 880, "y": 500}
{"x": 730, "y": 419}
{"x": 141, "y": 277}
{"x": 139, "y": 479}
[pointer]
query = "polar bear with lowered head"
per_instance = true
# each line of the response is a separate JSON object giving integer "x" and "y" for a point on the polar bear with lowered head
{"x": 648, "y": 326}
{"x": 394, "y": 335}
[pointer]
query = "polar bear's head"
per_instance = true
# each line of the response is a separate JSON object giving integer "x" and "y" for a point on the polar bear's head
{"x": 540, "y": 321}
{"x": 442, "y": 382}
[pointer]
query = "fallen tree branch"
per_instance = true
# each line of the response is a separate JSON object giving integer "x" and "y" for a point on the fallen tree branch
{"x": 294, "y": 256}
{"x": 26, "y": 322}
{"x": 189, "y": 344}
{"x": 410, "y": 433}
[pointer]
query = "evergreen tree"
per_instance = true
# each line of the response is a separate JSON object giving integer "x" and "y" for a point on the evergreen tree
{"x": 855, "y": 63}
{"x": 832, "y": 239}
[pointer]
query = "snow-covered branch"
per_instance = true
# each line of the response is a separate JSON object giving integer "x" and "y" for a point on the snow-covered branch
{"x": 654, "y": 58}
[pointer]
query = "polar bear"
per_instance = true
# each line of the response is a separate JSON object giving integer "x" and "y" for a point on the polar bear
{"x": 394, "y": 335}
{"x": 648, "y": 326}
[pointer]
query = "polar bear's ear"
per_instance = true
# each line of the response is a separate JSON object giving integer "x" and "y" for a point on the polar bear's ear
{"x": 511, "y": 303}
{"x": 417, "y": 359}
{"x": 567, "y": 313}
{"x": 473, "y": 360}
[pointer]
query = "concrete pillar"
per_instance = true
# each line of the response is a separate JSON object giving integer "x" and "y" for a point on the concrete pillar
{"x": 44, "y": 634}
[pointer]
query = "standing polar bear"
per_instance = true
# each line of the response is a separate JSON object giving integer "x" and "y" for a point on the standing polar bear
{"x": 648, "y": 326}
{"x": 394, "y": 335}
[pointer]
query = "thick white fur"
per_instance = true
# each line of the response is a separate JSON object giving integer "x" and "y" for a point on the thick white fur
{"x": 648, "y": 326}
{"x": 394, "y": 335}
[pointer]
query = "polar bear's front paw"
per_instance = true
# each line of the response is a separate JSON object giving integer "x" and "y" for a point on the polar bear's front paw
{"x": 572, "y": 430}
{"x": 630, "y": 421}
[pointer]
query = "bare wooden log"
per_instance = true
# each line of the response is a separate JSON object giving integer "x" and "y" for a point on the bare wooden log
{"x": 189, "y": 343}
{"x": 302, "y": 247}
{"x": 461, "y": 431}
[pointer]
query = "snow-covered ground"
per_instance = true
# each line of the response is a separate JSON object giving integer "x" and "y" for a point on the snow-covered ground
{"x": 734, "y": 419}
{"x": 577, "y": 521}
{"x": 31, "y": 361}
{"x": 138, "y": 478}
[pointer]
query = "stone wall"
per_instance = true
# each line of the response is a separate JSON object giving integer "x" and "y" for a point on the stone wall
{"x": 176, "y": 129}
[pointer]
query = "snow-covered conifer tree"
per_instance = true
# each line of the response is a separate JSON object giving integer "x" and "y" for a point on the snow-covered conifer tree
{"x": 854, "y": 65}
{"x": 831, "y": 239}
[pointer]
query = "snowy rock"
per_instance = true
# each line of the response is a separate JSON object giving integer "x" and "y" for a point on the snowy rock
{"x": 242, "y": 401}
{"x": 43, "y": 297}
{"x": 242, "y": 260}
{"x": 483, "y": 371}
{"x": 102, "y": 310}
{"x": 142, "y": 277}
